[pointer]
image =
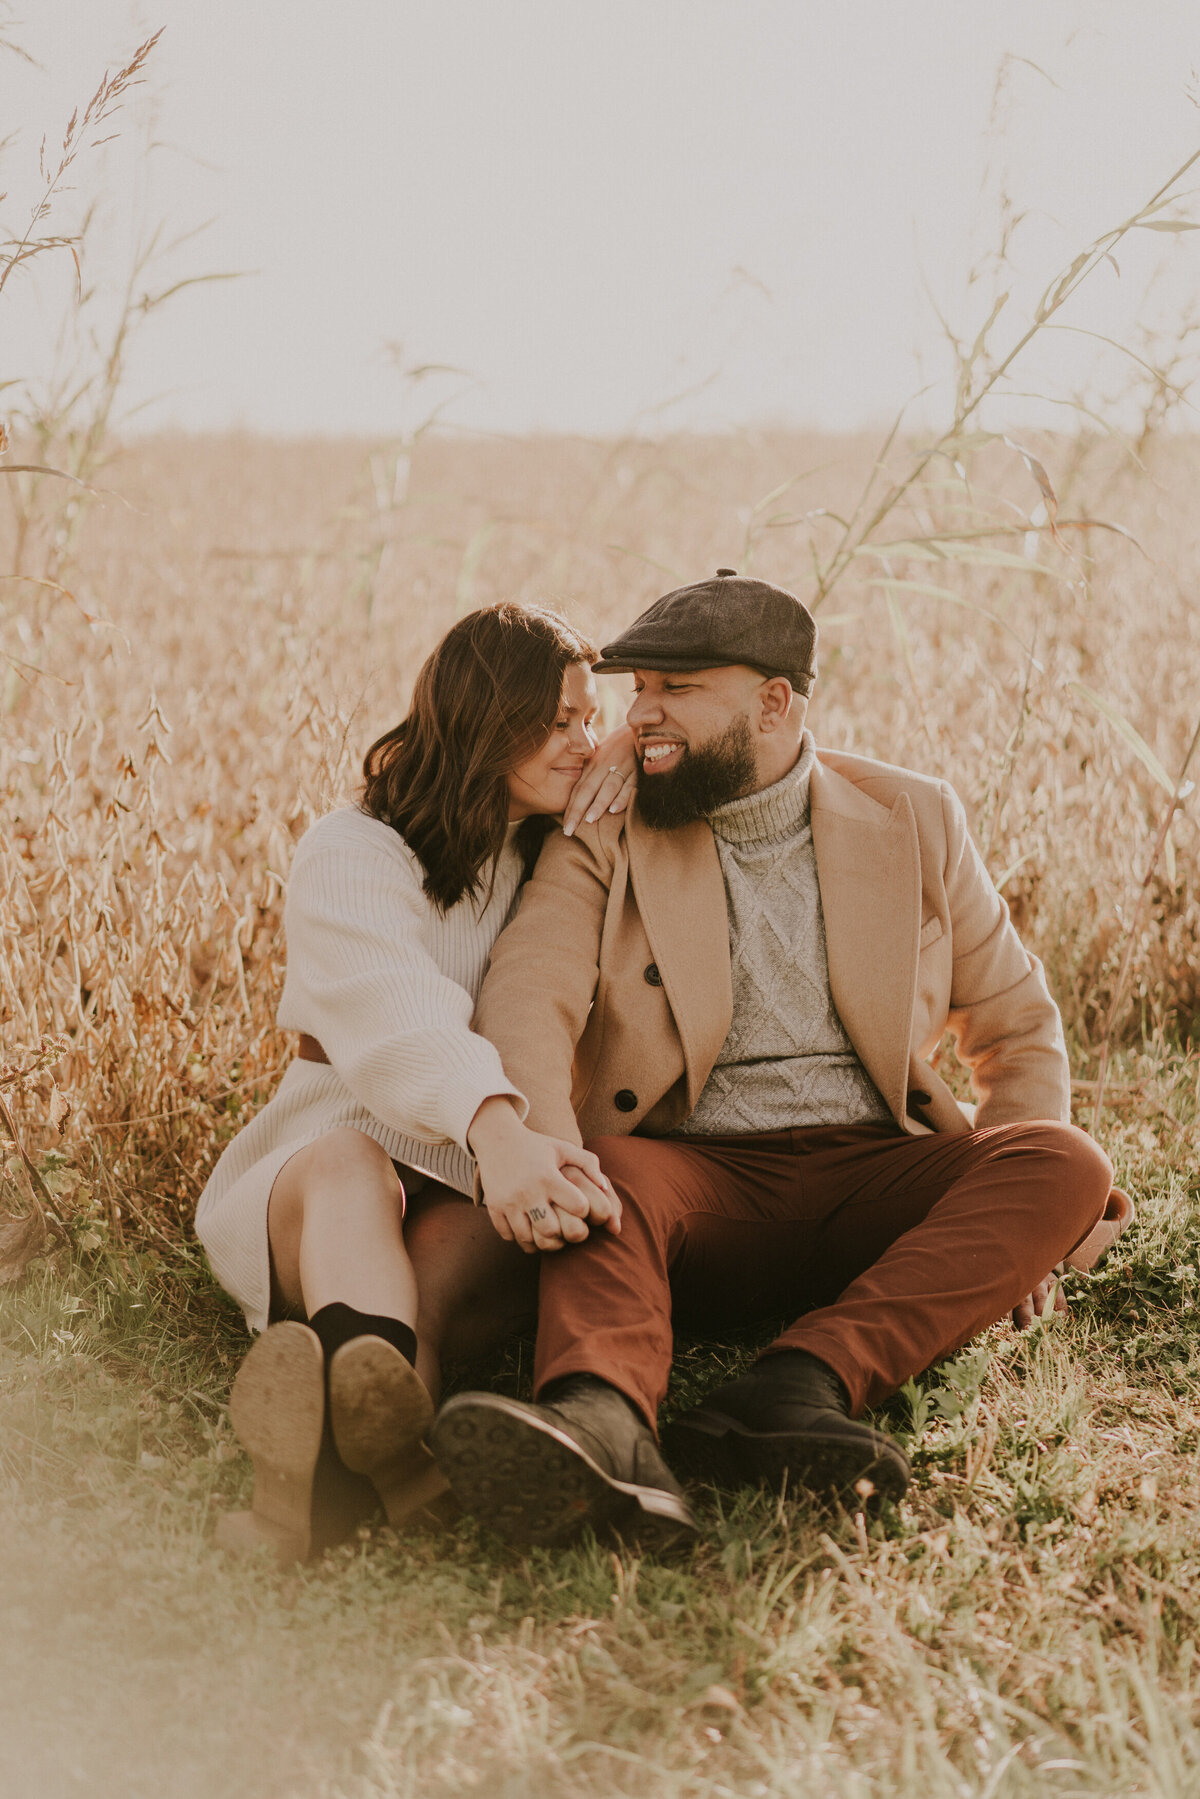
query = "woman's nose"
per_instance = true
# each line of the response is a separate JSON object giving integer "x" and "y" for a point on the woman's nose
{"x": 581, "y": 738}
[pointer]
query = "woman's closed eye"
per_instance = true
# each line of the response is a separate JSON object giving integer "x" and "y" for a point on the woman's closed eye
{"x": 589, "y": 727}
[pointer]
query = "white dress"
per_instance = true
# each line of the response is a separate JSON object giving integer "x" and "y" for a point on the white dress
{"x": 387, "y": 985}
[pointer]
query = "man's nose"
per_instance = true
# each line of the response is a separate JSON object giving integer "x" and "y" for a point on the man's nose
{"x": 645, "y": 710}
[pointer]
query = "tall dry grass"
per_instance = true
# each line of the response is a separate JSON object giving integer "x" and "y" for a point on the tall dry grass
{"x": 208, "y": 687}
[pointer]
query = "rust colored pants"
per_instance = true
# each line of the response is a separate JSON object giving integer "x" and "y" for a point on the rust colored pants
{"x": 895, "y": 1249}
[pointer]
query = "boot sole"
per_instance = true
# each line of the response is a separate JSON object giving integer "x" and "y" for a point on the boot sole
{"x": 277, "y": 1408}
{"x": 711, "y": 1446}
{"x": 532, "y": 1483}
{"x": 381, "y": 1411}
{"x": 341, "y": 1501}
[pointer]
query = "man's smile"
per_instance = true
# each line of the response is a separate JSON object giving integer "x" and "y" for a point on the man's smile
{"x": 660, "y": 754}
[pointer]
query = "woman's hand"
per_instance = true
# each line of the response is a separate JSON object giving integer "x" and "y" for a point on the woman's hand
{"x": 608, "y": 781}
{"x": 539, "y": 1191}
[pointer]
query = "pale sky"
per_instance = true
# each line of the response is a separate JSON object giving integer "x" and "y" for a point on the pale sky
{"x": 593, "y": 206}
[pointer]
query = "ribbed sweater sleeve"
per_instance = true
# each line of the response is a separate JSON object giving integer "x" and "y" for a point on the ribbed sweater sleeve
{"x": 361, "y": 978}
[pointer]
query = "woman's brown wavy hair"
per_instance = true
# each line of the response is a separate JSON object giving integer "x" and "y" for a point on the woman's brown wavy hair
{"x": 486, "y": 699}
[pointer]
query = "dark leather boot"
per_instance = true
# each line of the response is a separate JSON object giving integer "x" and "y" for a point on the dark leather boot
{"x": 789, "y": 1416}
{"x": 304, "y": 1499}
{"x": 540, "y": 1473}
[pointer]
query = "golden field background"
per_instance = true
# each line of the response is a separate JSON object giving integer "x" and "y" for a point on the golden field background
{"x": 235, "y": 619}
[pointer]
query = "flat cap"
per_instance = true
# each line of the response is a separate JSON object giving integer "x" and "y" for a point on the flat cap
{"x": 712, "y": 624}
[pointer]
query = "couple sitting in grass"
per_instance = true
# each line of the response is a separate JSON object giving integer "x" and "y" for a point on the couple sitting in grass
{"x": 676, "y": 1052}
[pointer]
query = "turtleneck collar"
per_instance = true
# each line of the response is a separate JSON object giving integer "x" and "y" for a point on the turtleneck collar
{"x": 773, "y": 813}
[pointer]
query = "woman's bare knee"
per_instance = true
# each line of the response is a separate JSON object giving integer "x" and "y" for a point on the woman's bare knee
{"x": 341, "y": 1159}
{"x": 342, "y": 1178}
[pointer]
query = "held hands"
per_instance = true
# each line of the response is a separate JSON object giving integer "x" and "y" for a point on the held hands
{"x": 539, "y": 1191}
{"x": 1039, "y": 1304}
{"x": 608, "y": 781}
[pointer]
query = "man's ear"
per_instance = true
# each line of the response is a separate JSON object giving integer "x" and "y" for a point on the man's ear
{"x": 777, "y": 703}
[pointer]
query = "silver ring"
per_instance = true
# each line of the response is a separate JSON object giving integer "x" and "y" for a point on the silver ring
{"x": 613, "y": 769}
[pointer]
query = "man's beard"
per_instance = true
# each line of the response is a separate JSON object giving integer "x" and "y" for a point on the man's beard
{"x": 721, "y": 770}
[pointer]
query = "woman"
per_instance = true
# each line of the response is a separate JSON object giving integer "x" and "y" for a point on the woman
{"x": 392, "y": 910}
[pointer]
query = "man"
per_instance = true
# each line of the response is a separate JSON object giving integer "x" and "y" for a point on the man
{"x": 735, "y": 993}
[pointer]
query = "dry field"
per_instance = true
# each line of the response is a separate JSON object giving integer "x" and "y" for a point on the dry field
{"x": 213, "y": 645}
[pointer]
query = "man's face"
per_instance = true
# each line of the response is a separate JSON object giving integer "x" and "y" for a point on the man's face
{"x": 695, "y": 741}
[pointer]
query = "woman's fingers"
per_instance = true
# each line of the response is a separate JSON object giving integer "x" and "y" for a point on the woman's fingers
{"x": 608, "y": 791}
{"x": 521, "y": 1226}
{"x": 555, "y": 1198}
{"x": 605, "y": 776}
{"x": 625, "y": 797}
{"x": 596, "y": 776}
{"x": 591, "y": 795}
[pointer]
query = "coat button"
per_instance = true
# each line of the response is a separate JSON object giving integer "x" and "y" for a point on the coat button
{"x": 651, "y": 975}
{"x": 625, "y": 1100}
{"x": 917, "y": 1097}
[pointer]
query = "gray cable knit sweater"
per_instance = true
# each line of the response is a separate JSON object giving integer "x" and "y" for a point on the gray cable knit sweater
{"x": 787, "y": 1061}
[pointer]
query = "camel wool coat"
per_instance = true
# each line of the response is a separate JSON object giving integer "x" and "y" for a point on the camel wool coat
{"x": 609, "y": 995}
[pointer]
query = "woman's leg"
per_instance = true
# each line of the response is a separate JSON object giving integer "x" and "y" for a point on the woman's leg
{"x": 334, "y": 1223}
{"x": 338, "y": 1260}
{"x": 336, "y": 1235}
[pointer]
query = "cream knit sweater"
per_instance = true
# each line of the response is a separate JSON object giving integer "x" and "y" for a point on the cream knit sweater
{"x": 787, "y": 1063}
{"x": 387, "y": 984}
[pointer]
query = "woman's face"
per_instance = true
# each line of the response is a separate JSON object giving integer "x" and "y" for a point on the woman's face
{"x": 543, "y": 782}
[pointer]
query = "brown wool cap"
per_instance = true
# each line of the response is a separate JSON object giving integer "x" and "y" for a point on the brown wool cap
{"x": 712, "y": 624}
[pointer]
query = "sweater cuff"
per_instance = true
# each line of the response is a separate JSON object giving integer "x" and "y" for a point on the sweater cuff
{"x": 462, "y": 1098}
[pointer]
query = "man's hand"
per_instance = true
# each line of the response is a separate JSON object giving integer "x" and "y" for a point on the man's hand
{"x": 608, "y": 781}
{"x": 1037, "y": 1304}
{"x": 539, "y": 1191}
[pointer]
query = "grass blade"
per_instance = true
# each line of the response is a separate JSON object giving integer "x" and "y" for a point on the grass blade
{"x": 1122, "y": 726}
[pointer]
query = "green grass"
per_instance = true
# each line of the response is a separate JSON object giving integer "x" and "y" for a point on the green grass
{"x": 1024, "y": 1623}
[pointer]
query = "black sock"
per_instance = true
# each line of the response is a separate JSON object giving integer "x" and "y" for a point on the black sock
{"x": 338, "y": 1324}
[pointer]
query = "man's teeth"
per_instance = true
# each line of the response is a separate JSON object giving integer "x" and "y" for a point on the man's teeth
{"x": 657, "y": 751}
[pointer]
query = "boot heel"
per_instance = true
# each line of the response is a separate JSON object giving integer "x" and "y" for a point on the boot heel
{"x": 380, "y": 1411}
{"x": 277, "y": 1408}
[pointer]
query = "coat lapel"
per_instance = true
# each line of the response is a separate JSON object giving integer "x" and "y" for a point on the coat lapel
{"x": 680, "y": 895}
{"x": 869, "y": 871}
